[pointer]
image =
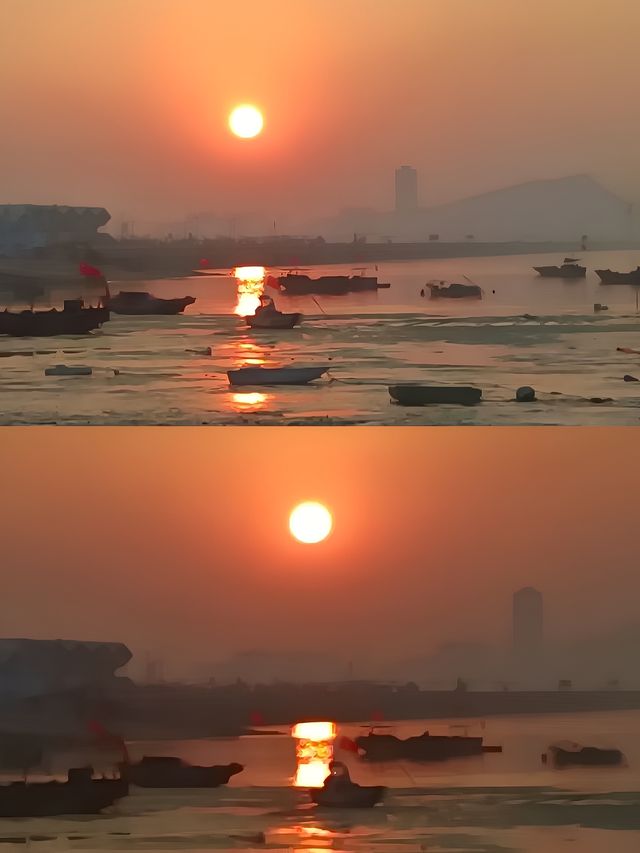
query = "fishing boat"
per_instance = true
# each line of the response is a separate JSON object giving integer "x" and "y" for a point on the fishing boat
{"x": 298, "y": 284}
{"x": 142, "y": 302}
{"x": 172, "y": 772}
{"x": 570, "y": 268}
{"x": 454, "y": 290}
{"x": 339, "y": 792}
{"x": 355, "y": 797}
{"x": 275, "y": 375}
{"x": 567, "y": 754}
{"x": 612, "y": 277}
{"x": 80, "y": 794}
{"x": 273, "y": 320}
{"x": 74, "y": 319}
{"x": 424, "y": 747}
{"x": 426, "y": 395}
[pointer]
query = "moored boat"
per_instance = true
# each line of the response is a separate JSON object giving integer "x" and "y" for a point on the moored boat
{"x": 142, "y": 302}
{"x": 74, "y": 319}
{"x": 454, "y": 290}
{"x": 570, "y": 268}
{"x": 424, "y": 747}
{"x": 275, "y": 375}
{"x": 613, "y": 277}
{"x": 575, "y": 755}
{"x": 425, "y": 395}
{"x": 79, "y": 795}
{"x": 172, "y": 772}
{"x": 297, "y": 284}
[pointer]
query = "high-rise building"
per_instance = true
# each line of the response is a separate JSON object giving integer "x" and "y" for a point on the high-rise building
{"x": 527, "y": 620}
{"x": 406, "y": 189}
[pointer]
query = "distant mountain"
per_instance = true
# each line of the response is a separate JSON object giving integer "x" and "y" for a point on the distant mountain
{"x": 553, "y": 210}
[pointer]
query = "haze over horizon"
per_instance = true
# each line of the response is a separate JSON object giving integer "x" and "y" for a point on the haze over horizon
{"x": 176, "y": 541}
{"x": 125, "y": 105}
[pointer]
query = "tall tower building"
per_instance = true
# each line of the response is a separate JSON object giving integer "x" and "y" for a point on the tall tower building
{"x": 406, "y": 189}
{"x": 527, "y": 620}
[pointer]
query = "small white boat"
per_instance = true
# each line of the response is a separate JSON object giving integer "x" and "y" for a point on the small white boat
{"x": 275, "y": 375}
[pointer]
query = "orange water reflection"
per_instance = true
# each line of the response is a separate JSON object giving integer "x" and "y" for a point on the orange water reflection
{"x": 250, "y": 399}
{"x": 250, "y": 287}
{"x": 314, "y": 752}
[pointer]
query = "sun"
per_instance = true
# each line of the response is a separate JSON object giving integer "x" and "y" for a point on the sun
{"x": 246, "y": 121}
{"x": 310, "y": 522}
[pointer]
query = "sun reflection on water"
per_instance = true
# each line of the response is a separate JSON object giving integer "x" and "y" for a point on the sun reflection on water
{"x": 250, "y": 287}
{"x": 314, "y": 753}
{"x": 250, "y": 399}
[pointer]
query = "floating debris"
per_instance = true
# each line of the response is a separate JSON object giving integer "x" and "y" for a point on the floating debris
{"x": 525, "y": 394}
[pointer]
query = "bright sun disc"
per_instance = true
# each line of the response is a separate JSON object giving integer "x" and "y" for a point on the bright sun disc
{"x": 246, "y": 121}
{"x": 310, "y": 522}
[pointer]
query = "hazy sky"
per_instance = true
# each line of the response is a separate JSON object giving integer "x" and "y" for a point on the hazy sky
{"x": 123, "y": 103}
{"x": 177, "y": 541}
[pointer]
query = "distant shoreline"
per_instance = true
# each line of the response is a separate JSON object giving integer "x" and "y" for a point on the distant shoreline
{"x": 136, "y": 260}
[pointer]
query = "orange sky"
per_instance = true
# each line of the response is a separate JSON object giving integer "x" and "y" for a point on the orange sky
{"x": 176, "y": 540}
{"x": 124, "y": 103}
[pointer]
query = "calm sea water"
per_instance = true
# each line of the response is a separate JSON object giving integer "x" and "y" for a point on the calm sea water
{"x": 172, "y": 370}
{"x": 494, "y": 803}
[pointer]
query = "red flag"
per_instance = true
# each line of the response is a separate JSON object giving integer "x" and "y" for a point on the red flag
{"x": 273, "y": 282}
{"x": 102, "y": 733}
{"x": 204, "y": 263}
{"x": 377, "y": 716}
{"x": 347, "y": 744}
{"x": 257, "y": 719}
{"x": 89, "y": 271}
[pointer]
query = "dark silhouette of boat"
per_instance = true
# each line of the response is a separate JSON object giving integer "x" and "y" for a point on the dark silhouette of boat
{"x": 274, "y": 375}
{"x": 339, "y": 792}
{"x": 79, "y": 795}
{"x": 425, "y": 395}
{"x": 576, "y": 755}
{"x": 297, "y": 284}
{"x": 570, "y": 268}
{"x": 142, "y": 302}
{"x": 171, "y": 772}
{"x": 270, "y": 318}
{"x": 455, "y": 290}
{"x": 424, "y": 747}
{"x": 612, "y": 277}
{"x": 74, "y": 319}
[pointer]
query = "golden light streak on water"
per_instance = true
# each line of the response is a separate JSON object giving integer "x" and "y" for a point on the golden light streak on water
{"x": 250, "y": 288}
{"x": 314, "y": 752}
{"x": 251, "y": 400}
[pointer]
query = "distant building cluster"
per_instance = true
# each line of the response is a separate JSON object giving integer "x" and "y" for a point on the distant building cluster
{"x": 25, "y": 227}
{"x": 36, "y": 667}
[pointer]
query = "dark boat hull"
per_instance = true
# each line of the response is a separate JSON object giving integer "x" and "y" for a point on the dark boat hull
{"x": 455, "y": 291}
{"x": 48, "y": 799}
{"x": 354, "y": 797}
{"x": 569, "y": 271}
{"x": 35, "y": 324}
{"x": 151, "y": 306}
{"x": 612, "y": 277}
{"x": 275, "y": 376}
{"x": 168, "y": 774}
{"x": 274, "y": 321}
{"x": 423, "y": 748}
{"x": 427, "y": 395}
{"x": 588, "y": 756}
{"x": 329, "y": 285}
